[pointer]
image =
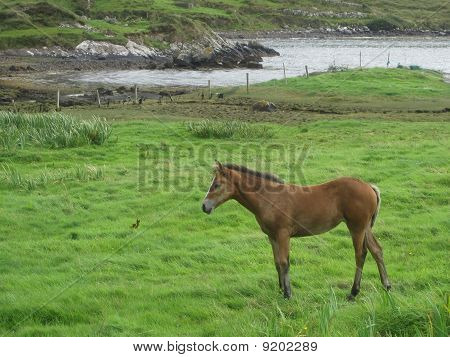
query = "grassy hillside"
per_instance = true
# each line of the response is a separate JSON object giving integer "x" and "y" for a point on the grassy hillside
{"x": 397, "y": 82}
{"x": 394, "y": 91}
{"x": 161, "y": 21}
{"x": 376, "y": 89}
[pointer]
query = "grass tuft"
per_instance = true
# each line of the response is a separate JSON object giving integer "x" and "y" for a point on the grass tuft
{"x": 79, "y": 173}
{"x": 228, "y": 129}
{"x": 326, "y": 314}
{"x": 438, "y": 318}
{"x": 387, "y": 315}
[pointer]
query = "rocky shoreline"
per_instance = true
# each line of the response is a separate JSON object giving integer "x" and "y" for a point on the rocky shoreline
{"x": 211, "y": 51}
{"x": 214, "y": 50}
{"x": 18, "y": 67}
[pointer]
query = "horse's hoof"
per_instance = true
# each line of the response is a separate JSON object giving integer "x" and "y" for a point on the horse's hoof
{"x": 287, "y": 295}
{"x": 351, "y": 298}
{"x": 388, "y": 287}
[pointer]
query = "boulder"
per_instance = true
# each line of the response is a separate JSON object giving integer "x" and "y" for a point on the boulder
{"x": 101, "y": 49}
{"x": 264, "y": 106}
{"x": 141, "y": 50}
{"x": 104, "y": 50}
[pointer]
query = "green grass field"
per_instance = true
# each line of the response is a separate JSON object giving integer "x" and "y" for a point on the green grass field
{"x": 71, "y": 264}
{"x": 373, "y": 89}
{"x": 160, "y": 22}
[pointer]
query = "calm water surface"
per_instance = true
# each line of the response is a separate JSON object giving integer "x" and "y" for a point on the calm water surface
{"x": 317, "y": 54}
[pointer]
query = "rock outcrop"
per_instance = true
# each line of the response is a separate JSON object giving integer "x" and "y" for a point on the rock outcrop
{"x": 209, "y": 51}
{"x": 214, "y": 51}
{"x": 106, "y": 49}
{"x": 100, "y": 49}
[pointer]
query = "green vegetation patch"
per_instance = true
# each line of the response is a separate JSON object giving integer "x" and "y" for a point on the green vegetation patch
{"x": 369, "y": 82}
{"x": 228, "y": 129}
{"x": 159, "y": 22}
{"x": 358, "y": 90}
{"x": 53, "y": 130}
{"x": 32, "y": 15}
{"x": 17, "y": 180}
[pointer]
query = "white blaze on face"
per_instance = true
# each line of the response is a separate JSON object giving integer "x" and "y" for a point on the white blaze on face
{"x": 210, "y": 203}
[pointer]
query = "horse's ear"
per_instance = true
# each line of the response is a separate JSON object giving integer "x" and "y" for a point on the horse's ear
{"x": 219, "y": 168}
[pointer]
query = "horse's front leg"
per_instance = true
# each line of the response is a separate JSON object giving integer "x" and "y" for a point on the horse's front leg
{"x": 281, "y": 255}
{"x": 274, "y": 244}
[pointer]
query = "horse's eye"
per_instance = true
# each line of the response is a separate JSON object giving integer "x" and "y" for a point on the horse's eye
{"x": 216, "y": 186}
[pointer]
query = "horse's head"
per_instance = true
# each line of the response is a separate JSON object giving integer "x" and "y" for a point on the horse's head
{"x": 221, "y": 190}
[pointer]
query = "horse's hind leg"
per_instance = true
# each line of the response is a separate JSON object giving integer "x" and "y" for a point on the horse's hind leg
{"x": 377, "y": 253}
{"x": 359, "y": 243}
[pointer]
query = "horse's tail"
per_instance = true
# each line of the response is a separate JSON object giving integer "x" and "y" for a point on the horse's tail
{"x": 378, "y": 193}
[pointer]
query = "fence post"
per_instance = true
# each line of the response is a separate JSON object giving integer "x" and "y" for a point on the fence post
{"x": 135, "y": 94}
{"x": 246, "y": 75}
{"x": 307, "y": 73}
{"x": 57, "y": 100}
{"x": 98, "y": 99}
{"x": 360, "y": 59}
{"x": 284, "y": 72}
{"x": 209, "y": 88}
{"x": 388, "y": 61}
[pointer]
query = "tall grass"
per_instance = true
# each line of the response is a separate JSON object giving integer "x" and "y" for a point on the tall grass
{"x": 438, "y": 318}
{"x": 79, "y": 173}
{"x": 326, "y": 314}
{"x": 228, "y": 129}
{"x": 53, "y": 130}
{"x": 388, "y": 315}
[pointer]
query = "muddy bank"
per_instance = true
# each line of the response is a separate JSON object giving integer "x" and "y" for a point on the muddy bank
{"x": 16, "y": 65}
{"x": 22, "y": 95}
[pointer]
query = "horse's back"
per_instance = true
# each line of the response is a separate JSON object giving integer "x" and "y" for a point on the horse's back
{"x": 322, "y": 207}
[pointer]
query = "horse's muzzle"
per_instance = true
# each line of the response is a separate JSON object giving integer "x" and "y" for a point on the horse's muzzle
{"x": 204, "y": 209}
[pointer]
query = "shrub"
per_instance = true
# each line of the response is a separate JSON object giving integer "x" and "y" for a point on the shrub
{"x": 385, "y": 24}
{"x": 334, "y": 68}
{"x": 412, "y": 67}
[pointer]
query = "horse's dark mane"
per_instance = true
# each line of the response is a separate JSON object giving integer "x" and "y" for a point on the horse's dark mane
{"x": 246, "y": 170}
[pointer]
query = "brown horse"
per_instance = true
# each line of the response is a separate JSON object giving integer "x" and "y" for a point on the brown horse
{"x": 284, "y": 211}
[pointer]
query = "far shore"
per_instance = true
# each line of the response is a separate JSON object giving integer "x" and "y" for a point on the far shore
{"x": 329, "y": 33}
